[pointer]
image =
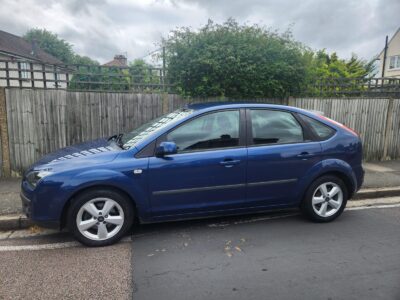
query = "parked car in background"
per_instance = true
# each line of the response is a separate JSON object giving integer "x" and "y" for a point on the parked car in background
{"x": 202, "y": 160}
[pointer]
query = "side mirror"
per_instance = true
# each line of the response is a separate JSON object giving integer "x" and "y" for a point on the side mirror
{"x": 166, "y": 148}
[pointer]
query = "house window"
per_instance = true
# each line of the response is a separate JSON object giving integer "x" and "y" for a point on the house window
{"x": 394, "y": 62}
{"x": 25, "y": 70}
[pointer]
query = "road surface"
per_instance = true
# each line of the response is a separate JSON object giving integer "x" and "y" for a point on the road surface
{"x": 269, "y": 256}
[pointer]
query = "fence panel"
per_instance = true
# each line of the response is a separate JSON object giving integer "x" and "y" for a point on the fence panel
{"x": 394, "y": 132}
{"x": 41, "y": 121}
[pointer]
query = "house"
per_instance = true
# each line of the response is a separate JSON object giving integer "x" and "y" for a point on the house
{"x": 24, "y": 64}
{"x": 118, "y": 61}
{"x": 392, "y": 62}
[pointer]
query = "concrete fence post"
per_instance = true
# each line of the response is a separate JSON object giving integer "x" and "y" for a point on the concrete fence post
{"x": 388, "y": 127}
{"x": 5, "y": 150}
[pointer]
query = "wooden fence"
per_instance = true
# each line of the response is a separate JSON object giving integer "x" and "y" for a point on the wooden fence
{"x": 42, "y": 121}
{"x": 38, "y": 121}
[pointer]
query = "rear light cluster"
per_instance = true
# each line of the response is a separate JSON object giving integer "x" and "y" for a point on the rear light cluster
{"x": 339, "y": 124}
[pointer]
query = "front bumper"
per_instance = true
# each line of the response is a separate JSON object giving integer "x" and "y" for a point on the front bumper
{"x": 27, "y": 209}
{"x": 26, "y": 205}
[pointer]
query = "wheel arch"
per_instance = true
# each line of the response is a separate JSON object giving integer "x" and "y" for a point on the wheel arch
{"x": 347, "y": 180}
{"x": 63, "y": 220}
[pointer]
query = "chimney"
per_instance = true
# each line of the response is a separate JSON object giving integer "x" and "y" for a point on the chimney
{"x": 34, "y": 47}
{"x": 121, "y": 59}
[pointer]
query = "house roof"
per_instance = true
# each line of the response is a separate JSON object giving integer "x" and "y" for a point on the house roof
{"x": 118, "y": 61}
{"x": 396, "y": 33}
{"x": 18, "y": 46}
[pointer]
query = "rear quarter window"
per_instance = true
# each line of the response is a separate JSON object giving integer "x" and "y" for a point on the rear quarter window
{"x": 322, "y": 131}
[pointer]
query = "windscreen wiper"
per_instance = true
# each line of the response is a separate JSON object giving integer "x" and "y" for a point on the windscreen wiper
{"x": 117, "y": 138}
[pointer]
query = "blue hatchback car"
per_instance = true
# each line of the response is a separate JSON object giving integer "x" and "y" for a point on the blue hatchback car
{"x": 202, "y": 160}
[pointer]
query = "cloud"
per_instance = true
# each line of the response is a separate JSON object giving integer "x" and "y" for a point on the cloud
{"x": 102, "y": 28}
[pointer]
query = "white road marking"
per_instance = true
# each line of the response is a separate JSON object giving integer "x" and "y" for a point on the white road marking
{"x": 49, "y": 246}
{"x": 374, "y": 206}
{"x": 369, "y": 202}
{"x": 39, "y": 247}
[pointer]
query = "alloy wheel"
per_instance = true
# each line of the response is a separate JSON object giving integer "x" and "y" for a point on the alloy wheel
{"x": 100, "y": 219}
{"x": 327, "y": 199}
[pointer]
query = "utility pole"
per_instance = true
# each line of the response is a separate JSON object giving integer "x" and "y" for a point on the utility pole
{"x": 384, "y": 57}
{"x": 163, "y": 67}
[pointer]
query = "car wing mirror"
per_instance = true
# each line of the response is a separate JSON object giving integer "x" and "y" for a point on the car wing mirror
{"x": 166, "y": 148}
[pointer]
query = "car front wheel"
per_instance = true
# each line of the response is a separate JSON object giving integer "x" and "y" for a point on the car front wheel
{"x": 100, "y": 217}
{"x": 325, "y": 199}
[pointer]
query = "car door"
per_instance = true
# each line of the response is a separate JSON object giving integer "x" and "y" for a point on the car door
{"x": 280, "y": 152}
{"x": 208, "y": 172}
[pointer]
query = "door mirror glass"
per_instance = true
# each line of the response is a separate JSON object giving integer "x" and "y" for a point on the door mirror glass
{"x": 166, "y": 148}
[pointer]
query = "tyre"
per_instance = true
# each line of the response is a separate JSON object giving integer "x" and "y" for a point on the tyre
{"x": 100, "y": 217}
{"x": 325, "y": 199}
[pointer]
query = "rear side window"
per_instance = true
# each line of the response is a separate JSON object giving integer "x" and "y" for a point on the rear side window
{"x": 274, "y": 127}
{"x": 321, "y": 130}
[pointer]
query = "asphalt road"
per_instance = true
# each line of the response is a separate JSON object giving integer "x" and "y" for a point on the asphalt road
{"x": 273, "y": 256}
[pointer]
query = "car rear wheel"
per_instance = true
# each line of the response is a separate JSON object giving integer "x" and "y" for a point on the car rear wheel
{"x": 100, "y": 217}
{"x": 325, "y": 199}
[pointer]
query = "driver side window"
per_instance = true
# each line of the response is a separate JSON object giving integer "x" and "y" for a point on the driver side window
{"x": 210, "y": 131}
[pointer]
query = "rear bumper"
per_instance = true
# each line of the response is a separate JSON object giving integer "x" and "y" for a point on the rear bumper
{"x": 359, "y": 173}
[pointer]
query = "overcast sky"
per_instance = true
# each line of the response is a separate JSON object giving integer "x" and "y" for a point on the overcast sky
{"x": 102, "y": 28}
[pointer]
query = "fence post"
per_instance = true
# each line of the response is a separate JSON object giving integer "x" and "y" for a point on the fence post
{"x": 165, "y": 103}
{"x": 5, "y": 150}
{"x": 290, "y": 101}
{"x": 388, "y": 125}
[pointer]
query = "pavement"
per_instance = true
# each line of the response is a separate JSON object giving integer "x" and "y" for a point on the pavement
{"x": 382, "y": 179}
{"x": 269, "y": 256}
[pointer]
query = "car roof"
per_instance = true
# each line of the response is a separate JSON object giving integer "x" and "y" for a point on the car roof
{"x": 205, "y": 106}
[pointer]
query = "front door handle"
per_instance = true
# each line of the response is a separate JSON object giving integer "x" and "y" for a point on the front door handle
{"x": 305, "y": 155}
{"x": 229, "y": 162}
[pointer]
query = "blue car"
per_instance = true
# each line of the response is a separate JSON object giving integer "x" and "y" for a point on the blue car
{"x": 202, "y": 160}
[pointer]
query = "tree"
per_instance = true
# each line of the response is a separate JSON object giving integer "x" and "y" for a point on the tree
{"x": 233, "y": 60}
{"x": 328, "y": 66}
{"x": 142, "y": 73}
{"x": 58, "y": 47}
{"x": 84, "y": 60}
{"x": 51, "y": 43}
{"x": 329, "y": 75}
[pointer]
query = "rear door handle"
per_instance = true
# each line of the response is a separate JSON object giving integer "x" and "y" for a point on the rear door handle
{"x": 229, "y": 162}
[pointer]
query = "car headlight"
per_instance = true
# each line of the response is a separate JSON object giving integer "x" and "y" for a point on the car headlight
{"x": 33, "y": 177}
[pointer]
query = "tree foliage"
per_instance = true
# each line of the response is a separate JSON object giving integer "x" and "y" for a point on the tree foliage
{"x": 325, "y": 66}
{"x": 56, "y": 46}
{"x": 242, "y": 61}
{"x": 142, "y": 73}
{"x": 234, "y": 60}
{"x": 51, "y": 43}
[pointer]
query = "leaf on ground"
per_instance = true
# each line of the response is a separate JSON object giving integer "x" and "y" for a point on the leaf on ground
{"x": 238, "y": 249}
{"x": 35, "y": 229}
